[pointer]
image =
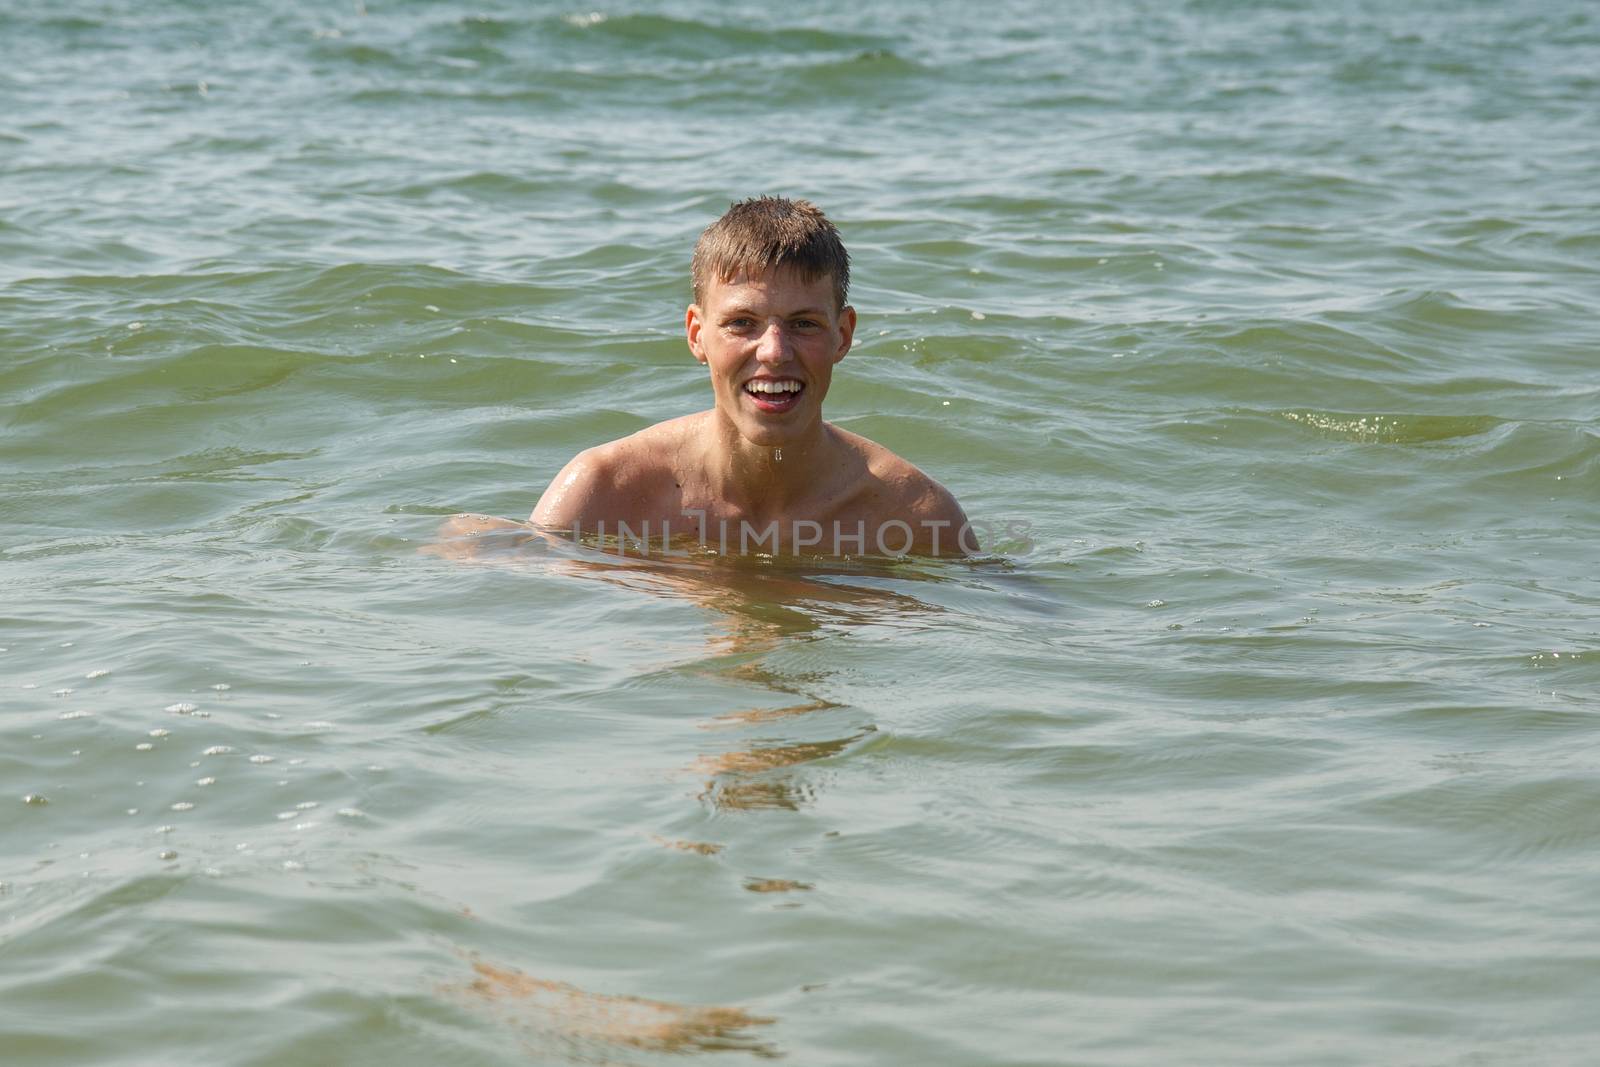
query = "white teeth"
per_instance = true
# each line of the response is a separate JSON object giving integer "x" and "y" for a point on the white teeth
{"x": 772, "y": 387}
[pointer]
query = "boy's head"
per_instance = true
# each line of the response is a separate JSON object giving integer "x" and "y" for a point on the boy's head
{"x": 768, "y": 233}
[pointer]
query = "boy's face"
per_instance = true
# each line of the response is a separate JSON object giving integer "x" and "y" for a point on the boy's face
{"x": 770, "y": 342}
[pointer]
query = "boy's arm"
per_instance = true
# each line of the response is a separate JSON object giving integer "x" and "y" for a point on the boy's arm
{"x": 942, "y": 525}
{"x": 576, "y": 493}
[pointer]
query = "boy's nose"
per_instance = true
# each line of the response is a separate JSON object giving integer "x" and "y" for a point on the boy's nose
{"x": 772, "y": 346}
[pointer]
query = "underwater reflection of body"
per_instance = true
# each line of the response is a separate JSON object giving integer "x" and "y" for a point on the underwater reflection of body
{"x": 757, "y": 758}
{"x": 759, "y": 605}
{"x": 586, "y": 1024}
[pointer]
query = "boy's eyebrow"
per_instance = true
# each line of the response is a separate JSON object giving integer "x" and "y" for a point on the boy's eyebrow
{"x": 743, "y": 309}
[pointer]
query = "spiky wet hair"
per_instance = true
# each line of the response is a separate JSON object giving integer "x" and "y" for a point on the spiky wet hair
{"x": 766, "y": 233}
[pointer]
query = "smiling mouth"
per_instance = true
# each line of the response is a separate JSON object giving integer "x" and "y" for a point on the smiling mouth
{"x": 774, "y": 395}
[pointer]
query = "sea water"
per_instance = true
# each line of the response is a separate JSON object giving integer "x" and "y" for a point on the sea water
{"x": 1260, "y": 334}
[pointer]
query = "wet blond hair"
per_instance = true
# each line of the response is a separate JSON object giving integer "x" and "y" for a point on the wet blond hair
{"x": 771, "y": 233}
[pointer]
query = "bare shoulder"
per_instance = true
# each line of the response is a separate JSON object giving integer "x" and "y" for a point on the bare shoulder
{"x": 618, "y": 479}
{"x": 902, "y": 490}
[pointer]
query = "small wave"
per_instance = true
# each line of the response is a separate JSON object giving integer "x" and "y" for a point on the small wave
{"x": 680, "y": 37}
{"x": 477, "y": 185}
{"x": 1442, "y": 313}
{"x": 361, "y": 55}
{"x": 498, "y": 96}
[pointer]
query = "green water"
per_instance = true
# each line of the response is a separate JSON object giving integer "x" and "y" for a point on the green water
{"x": 1270, "y": 736}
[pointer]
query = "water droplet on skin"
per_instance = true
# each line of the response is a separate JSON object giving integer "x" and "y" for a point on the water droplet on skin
{"x": 777, "y": 455}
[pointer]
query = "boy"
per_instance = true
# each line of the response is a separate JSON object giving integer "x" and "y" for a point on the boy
{"x": 761, "y": 471}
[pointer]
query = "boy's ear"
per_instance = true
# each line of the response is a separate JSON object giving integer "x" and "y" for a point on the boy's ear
{"x": 847, "y": 331}
{"x": 693, "y": 322}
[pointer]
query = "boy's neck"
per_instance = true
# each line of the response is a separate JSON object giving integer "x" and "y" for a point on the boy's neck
{"x": 767, "y": 481}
